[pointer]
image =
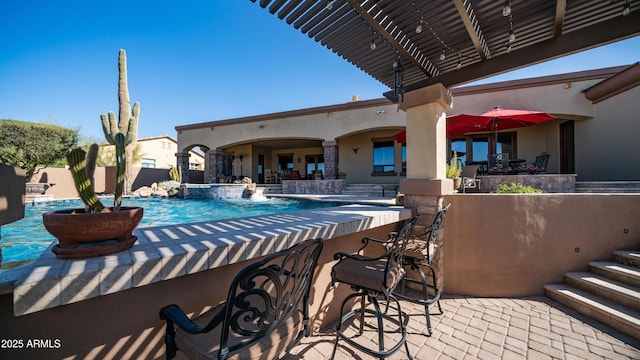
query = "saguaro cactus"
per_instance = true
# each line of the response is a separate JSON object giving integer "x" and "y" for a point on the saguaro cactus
{"x": 123, "y": 134}
{"x": 127, "y": 126}
{"x": 126, "y": 117}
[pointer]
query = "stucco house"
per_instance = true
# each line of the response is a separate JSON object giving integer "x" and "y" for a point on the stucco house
{"x": 593, "y": 135}
{"x": 160, "y": 152}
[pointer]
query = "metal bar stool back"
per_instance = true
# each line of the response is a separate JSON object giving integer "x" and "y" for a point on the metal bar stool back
{"x": 418, "y": 255}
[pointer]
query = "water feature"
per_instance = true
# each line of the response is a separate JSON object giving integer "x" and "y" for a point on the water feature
{"x": 27, "y": 238}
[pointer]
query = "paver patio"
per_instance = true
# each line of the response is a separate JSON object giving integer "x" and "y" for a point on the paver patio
{"x": 492, "y": 328}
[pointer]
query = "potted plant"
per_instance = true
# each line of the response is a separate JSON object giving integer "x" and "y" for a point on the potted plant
{"x": 98, "y": 230}
{"x": 453, "y": 171}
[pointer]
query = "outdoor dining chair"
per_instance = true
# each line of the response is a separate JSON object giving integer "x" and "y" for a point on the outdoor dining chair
{"x": 373, "y": 279}
{"x": 537, "y": 167}
{"x": 468, "y": 176}
{"x": 498, "y": 164}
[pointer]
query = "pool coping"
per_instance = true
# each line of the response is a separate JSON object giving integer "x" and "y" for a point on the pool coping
{"x": 166, "y": 252}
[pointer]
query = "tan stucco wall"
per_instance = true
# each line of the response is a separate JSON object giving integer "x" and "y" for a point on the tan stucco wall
{"x": 359, "y": 166}
{"x": 512, "y": 245}
{"x": 614, "y": 155}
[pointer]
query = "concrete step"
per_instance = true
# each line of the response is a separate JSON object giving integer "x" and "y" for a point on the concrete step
{"x": 627, "y": 257}
{"x": 384, "y": 190}
{"x": 617, "y": 272}
{"x": 618, "y": 292}
{"x": 605, "y": 311}
{"x": 607, "y": 186}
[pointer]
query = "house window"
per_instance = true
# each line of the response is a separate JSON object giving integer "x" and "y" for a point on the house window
{"x": 479, "y": 146}
{"x": 314, "y": 163}
{"x": 148, "y": 163}
{"x": 383, "y": 155}
{"x": 285, "y": 162}
{"x": 193, "y": 166}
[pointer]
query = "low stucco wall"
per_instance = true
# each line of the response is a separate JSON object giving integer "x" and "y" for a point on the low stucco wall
{"x": 125, "y": 324}
{"x": 64, "y": 187}
{"x": 512, "y": 245}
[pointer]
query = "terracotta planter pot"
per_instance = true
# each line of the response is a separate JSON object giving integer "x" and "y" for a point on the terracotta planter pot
{"x": 81, "y": 235}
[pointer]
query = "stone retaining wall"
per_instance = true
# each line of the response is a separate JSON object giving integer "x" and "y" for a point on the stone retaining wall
{"x": 549, "y": 183}
{"x": 321, "y": 187}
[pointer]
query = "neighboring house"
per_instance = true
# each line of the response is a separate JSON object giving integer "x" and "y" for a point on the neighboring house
{"x": 595, "y": 133}
{"x": 160, "y": 152}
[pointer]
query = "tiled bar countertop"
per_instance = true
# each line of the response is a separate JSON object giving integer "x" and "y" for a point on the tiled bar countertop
{"x": 167, "y": 252}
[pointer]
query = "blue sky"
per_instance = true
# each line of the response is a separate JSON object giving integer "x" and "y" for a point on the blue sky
{"x": 188, "y": 62}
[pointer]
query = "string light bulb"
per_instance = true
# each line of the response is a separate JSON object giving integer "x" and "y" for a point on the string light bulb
{"x": 508, "y": 48}
{"x": 459, "y": 61}
{"x": 419, "y": 27}
{"x": 506, "y": 10}
{"x": 512, "y": 36}
{"x": 373, "y": 41}
{"x": 626, "y": 10}
{"x": 330, "y": 5}
{"x": 443, "y": 55}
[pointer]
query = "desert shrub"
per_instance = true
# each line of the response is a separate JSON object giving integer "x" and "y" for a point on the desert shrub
{"x": 31, "y": 146}
{"x": 518, "y": 188}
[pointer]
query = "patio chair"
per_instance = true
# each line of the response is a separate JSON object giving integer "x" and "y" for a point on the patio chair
{"x": 537, "y": 167}
{"x": 419, "y": 252}
{"x": 468, "y": 176}
{"x": 372, "y": 278}
{"x": 269, "y": 176}
{"x": 498, "y": 164}
{"x": 266, "y": 312}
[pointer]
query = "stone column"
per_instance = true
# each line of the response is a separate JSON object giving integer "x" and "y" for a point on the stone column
{"x": 330, "y": 159}
{"x": 426, "y": 181}
{"x": 214, "y": 163}
{"x": 182, "y": 161}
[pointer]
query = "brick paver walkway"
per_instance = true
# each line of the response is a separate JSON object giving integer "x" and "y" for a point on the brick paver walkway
{"x": 489, "y": 328}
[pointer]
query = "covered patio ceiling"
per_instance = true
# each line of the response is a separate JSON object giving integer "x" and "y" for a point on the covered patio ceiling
{"x": 455, "y": 41}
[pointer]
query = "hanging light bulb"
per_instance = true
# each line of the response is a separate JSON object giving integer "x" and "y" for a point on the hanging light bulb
{"x": 459, "y": 65}
{"x": 373, "y": 40}
{"x": 330, "y": 5}
{"x": 626, "y": 10}
{"x": 506, "y": 10}
{"x": 419, "y": 27}
{"x": 443, "y": 55}
{"x": 512, "y": 36}
{"x": 508, "y": 48}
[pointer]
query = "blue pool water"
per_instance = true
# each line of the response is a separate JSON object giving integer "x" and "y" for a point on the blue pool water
{"x": 25, "y": 239}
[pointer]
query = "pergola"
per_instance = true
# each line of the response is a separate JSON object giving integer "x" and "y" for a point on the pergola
{"x": 410, "y": 44}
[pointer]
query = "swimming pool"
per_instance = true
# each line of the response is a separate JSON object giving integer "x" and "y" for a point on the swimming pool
{"x": 25, "y": 239}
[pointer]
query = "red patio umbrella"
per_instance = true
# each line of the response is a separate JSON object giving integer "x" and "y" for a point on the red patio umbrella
{"x": 493, "y": 120}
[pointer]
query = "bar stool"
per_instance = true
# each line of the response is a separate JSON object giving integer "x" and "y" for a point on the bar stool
{"x": 418, "y": 254}
{"x": 371, "y": 278}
